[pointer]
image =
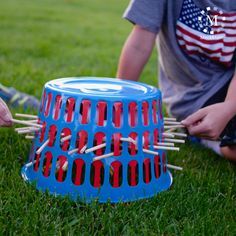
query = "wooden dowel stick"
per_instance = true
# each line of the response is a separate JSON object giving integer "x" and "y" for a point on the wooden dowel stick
{"x": 150, "y": 152}
{"x": 166, "y": 144}
{"x": 173, "y": 126}
{"x": 174, "y": 140}
{"x": 57, "y": 165}
{"x": 29, "y": 164}
{"x": 129, "y": 139}
{"x": 169, "y": 119}
{"x": 34, "y": 128}
{"x": 167, "y": 148}
{"x": 77, "y": 149}
{"x": 26, "y": 116}
{"x": 170, "y": 130}
{"x": 124, "y": 139}
{"x": 103, "y": 156}
{"x": 95, "y": 148}
{"x": 65, "y": 166}
{"x": 179, "y": 134}
{"x": 83, "y": 149}
{"x": 161, "y": 144}
{"x": 23, "y": 128}
{"x": 174, "y": 167}
{"x": 26, "y": 131}
{"x": 42, "y": 147}
{"x": 33, "y": 121}
{"x": 29, "y": 137}
{"x": 168, "y": 135}
{"x": 22, "y": 122}
{"x": 132, "y": 141}
{"x": 66, "y": 138}
{"x": 73, "y": 151}
{"x": 172, "y": 123}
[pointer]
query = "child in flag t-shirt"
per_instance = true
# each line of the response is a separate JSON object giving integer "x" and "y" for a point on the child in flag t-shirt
{"x": 196, "y": 42}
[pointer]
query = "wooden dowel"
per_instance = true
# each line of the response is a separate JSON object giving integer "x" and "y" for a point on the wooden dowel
{"x": 129, "y": 139}
{"x": 179, "y": 134}
{"x": 26, "y": 116}
{"x": 103, "y": 156}
{"x": 168, "y": 135}
{"x": 26, "y": 131}
{"x": 66, "y": 138}
{"x": 169, "y": 119}
{"x": 174, "y": 167}
{"x": 166, "y": 148}
{"x": 166, "y": 144}
{"x": 77, "y": 149}
{"x": 95, "y": 148}
{"x": 83, "y": 149}
{"x": 22, "y": 122}
{"x": 22, "y": 128}
{"x": 29, "y": 137}
{"x": 132, "y": 141}
{"x": 125, "y": 139}
{"x": 173, "y": 126}
{"x": 150, "y": 152}
{"x": 33, "y": 121}
{"x": 73, "y": 151}
{"x": 170, "y": 130}
{"x": 65, "y": 166}
{"x": 174, "y": 140}
{"x": 29, "y": 164}
{"x": 172, "y": 123}
{"x": 34, "y": 128}
{"x": 42, "y": 147}
{"x": 57, "y": 165}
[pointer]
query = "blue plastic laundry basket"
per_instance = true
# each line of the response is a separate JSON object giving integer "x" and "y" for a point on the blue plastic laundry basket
{"x": 121, "y": 119}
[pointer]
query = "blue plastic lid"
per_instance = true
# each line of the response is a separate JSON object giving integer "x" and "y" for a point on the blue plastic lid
{"x": 102, "y": 87}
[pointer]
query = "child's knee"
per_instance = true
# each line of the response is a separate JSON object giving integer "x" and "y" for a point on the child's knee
{"x": 229, "y": 153}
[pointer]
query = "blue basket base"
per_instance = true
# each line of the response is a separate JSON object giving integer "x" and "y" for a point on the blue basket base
{"x": 103, "y": 195}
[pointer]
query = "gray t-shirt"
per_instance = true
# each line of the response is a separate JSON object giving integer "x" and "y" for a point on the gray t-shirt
{"x": 197, "y": 47}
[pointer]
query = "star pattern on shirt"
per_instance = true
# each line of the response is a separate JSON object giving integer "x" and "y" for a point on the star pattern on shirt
{"x": 195, "y": 18}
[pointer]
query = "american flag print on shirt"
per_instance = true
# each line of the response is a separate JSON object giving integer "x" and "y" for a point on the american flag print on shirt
{"x": 210, "y": 33}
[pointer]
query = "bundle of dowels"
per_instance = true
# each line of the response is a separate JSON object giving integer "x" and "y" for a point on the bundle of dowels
{"x": 32, "y": 128}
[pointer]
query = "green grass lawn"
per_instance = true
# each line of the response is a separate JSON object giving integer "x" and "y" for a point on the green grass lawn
{"x": 47, "y": 39}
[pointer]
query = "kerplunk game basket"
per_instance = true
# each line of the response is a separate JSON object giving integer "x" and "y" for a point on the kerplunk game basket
{"x": 99, "y": 138}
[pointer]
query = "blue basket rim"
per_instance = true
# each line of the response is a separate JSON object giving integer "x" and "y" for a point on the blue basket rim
{"x": 103, "y": 87}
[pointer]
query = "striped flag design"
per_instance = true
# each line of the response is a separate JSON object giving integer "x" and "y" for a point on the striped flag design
{"x": 210, "y": 33}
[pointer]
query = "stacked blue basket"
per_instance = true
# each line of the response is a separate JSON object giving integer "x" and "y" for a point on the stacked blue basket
{"x": 121, "y": 119}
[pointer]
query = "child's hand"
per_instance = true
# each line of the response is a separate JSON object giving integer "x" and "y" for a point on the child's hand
{"x": 5, "y": 114}
{"x": 209, "y": 122}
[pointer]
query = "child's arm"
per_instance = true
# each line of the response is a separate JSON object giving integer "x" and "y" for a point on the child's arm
{"x": 5, "y": 114}
{"x": 210, "y": 121}
{"x": 135, "y": 53}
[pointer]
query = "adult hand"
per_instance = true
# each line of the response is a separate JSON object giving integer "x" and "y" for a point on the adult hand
{"x": 5, "y": 114}
{"x": 209, "y": 122}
